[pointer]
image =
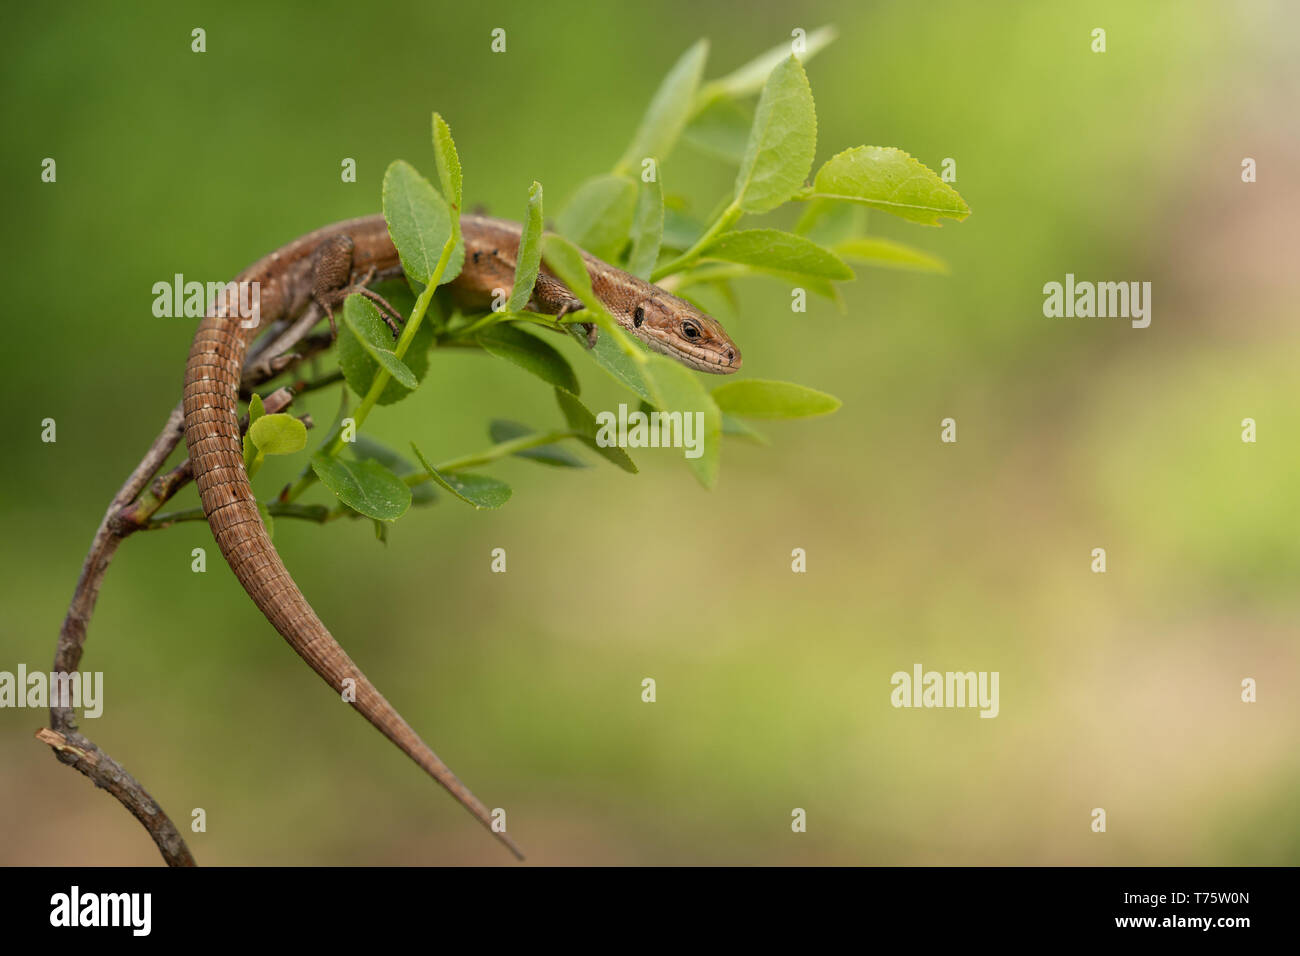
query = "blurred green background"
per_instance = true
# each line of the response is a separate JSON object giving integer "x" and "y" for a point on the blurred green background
{"x": 1118, "y": 691}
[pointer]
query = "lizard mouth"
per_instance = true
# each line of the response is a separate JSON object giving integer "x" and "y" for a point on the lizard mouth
{"x": 720, "y": 360}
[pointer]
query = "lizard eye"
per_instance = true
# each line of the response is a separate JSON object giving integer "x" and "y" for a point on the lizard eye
{"x": 690, "y": 331}
{"x": 638, "y": 316}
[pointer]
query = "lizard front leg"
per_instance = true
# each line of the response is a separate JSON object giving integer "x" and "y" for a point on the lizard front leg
{"x": 553, "y": 297}
{"x": 332, "y": 282}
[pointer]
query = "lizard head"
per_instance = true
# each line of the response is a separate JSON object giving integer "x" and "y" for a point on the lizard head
{"x": 679, "y": 330}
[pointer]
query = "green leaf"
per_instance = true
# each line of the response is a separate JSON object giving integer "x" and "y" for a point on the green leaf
{"x": 782, "y": 141}
{"x": 827, "y": 222}
{"x": 749, "y": 78}
{"x": 617, "y": 352}
{"x": 739, "y": 429}
{"x": 756, "y": 398}
{"x": 267, "y": 520}
{"x": 552, "y": 454}
{"x": 366, "y": 448}
{"x": 890, "y": 255}
{"x": 397, "y": 292}
{"x": 448, "y": 160}
{"x": 583, "y": 422}
{"x": 674, "y": 388}
{"x": 567, "y": 262}
{"x": 255, "y": 411}
{"x": 668, "y": 111}
{"x": 722, "y": 130}
{"x": 889, "y": 179}
{"x": 778, "y": 251}
{"x": 530, "y": 353}
{"x": 366, "y": 487}
{"x": 680, "y": 230}
{"x": 529, "y": 258}
{"x": 278, "y": 434}
{"x": 478, "y": 490}
{"x": 826, "y": 289}
{"x": 355, "y": 309}
{"x": 599, "y": 215}
{"x": 621, "y": 367}
{"x": 419, "y": 223}
{"x": 698, "y": 286}
{"x": 357, "y": 361}
{"x": 647, "y": 229}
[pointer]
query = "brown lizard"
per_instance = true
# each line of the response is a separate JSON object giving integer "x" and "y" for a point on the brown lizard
{"x": 325, "y": 266}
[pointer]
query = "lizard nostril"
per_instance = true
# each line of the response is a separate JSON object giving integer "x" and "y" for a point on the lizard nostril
{"x": 731, "y": 356}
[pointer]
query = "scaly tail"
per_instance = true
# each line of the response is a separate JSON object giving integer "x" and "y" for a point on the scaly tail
{"x": 216, "y": 451}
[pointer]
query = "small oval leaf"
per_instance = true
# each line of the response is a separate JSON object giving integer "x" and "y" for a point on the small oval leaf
{"x": 354, "y": 309}
{"x": 530, "y": 353}
{"x": 756, "y": 398}
{"x": 890, "y": 255}
{"x": 674, "y": 388}
{"x": 782, "y": 141}
{"x": 478, "y": 490}
{"x": 583, "y": 423}
{"x": 366, "y": 487}
{"x": 748, "y": 79}
{"x": 778, "y": 251}
{"x": 448, "y": 161}
{"x": 278, "y": 434}
{"x": 366, "y": 448}
{"x": 529, "y": 259}
{"x": 358, "y": 363}
{"x": 647, "y": 229}
{"x": 889, "y": 179}
{"x": 599, "y": 215}
{"x": 419, "y": 223}
{"x": 615, "y": 361}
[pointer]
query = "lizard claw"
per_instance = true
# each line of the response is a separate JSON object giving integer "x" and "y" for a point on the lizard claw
{"x": 573, "y": 305}
{"x": 329, "y": 314}
{"x": 392, "y": 318}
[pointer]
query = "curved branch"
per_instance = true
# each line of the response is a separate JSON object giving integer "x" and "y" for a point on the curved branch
{"x": 131, "y": 510}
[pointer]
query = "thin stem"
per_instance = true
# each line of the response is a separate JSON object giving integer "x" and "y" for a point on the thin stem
{"x": 497, "y": 451}
{"x": 495, "y": 318}
{"x": 403, "y": 344}
{"x": 725, "y": 221}
{"x": 492, "y": 318}
{"x": 316, "y": 384}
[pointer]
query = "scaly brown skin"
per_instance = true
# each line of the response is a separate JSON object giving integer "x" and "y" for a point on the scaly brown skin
{"x": 664, "y": 322}
{"x": 325, "y": 266}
